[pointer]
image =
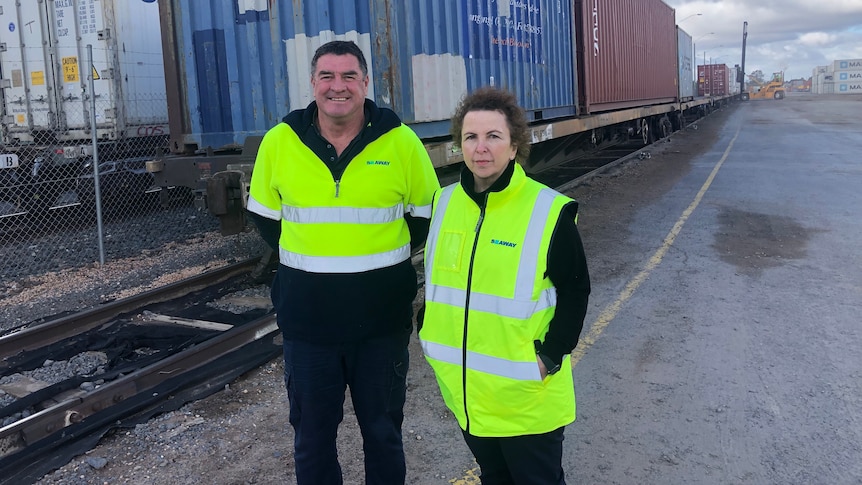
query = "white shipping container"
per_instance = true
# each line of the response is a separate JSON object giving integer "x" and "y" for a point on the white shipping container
{"x": 733, "y": 84}
{"x": 852, "y": 87}
{"x": 44, "y": 69}
{"x": 847, "y": 76}
{"x": 847, "y": 65}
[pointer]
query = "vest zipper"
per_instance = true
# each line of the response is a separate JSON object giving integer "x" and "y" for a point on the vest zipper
{"x": 337, "y": 187}
{"x": 467, "y": 309}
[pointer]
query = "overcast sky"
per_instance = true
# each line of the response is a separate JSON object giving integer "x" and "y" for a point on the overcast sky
{"x": 793, "y": 36}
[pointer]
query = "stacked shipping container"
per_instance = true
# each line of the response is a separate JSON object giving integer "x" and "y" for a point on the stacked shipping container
{"x": 842, "y": 76}
{"x": 235, "y": 69}
{"x": 231, "y": 70}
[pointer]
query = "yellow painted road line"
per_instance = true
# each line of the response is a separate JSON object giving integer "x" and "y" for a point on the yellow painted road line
{"x": 610, "y": 312}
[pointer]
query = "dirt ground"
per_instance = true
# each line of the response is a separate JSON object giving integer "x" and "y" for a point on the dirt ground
{"x": 241, "y": 435}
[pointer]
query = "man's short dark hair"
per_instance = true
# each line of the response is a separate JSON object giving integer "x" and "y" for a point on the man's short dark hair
{"x": 340, "y": 48}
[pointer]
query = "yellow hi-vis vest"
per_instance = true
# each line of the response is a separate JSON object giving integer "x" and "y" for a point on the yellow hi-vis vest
{"x": 487, "y": 301}
{"x": 350, "y": 225}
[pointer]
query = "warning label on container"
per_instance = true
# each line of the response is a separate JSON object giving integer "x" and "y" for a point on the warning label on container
{"x": 37, "y": 78}
{"x": 70, "y": 69}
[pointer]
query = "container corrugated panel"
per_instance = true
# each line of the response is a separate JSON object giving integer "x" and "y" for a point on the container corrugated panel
{"x": 241, "y": 65}
{"x": 848, "y": 76}
{"x": 45, "y": 70}
{"x": 627, "y": 40}
{"x": 848, "y": 87}
{"x": 685, "y": 62}
{"x": 847, "y": 65}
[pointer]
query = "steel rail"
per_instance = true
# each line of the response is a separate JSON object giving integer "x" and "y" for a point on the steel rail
{"x": 68, "y": 326}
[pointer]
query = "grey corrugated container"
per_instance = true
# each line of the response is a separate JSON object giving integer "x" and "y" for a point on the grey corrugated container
{"x": 44, "y": 68}
{"x": 235, "y": 69}
{"x": 847, "y": 65}
{"x": 626, "y": 40}
{"x": 685, "y": 63}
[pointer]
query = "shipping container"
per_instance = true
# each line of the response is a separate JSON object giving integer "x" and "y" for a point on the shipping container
{"x": 851, "y": 87}
{"x": 685, "y": 55}
{"x": 628, "y": 53}
{"x": 713, "y": 80}
{"x": 44, "y": 69}
{"x": 847, "y": 65}
{"x": 733, "y": 78}
{"x": 847, "y": 76}
{"x": 234, "y": 69}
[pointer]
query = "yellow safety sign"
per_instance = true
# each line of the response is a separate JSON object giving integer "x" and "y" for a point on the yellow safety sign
{"x": 70, "y": 69}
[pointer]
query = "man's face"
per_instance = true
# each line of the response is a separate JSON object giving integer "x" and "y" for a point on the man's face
{"x": 339, "y": 87}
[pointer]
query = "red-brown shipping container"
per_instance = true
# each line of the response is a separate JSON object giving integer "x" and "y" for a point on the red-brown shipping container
{"x": 713, "y": 80}
{"x": 621, "y": 40}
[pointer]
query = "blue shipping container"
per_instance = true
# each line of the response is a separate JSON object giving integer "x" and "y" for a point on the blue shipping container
{"x": 235, "y": 68}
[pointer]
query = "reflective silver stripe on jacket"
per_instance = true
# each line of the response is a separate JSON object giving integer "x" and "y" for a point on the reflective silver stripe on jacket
{"x": 343, "y": 264}
{"x": 342, "y": 215}
{"x": 521, "y": 371}
{"x": 423, "y": 211}
{"x": 258, "y": 208}
{"x": 521, "y": 305}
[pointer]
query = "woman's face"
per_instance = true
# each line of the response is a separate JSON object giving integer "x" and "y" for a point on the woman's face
{"x": 487, "y": 146}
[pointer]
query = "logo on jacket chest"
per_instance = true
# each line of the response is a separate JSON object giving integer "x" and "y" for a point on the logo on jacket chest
{"x": 377, "y": 162}
{"x": 500, "y": 242}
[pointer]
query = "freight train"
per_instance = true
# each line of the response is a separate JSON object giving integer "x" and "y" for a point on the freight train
{"x": 46, "y": 129}
{"x": 589, "y": 73}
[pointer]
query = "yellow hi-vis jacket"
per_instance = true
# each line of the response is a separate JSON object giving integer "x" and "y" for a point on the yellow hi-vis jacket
{"x": 487, "y": 301}
{"x": 350, "y": 225}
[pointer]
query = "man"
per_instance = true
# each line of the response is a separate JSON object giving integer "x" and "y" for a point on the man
{"x": 343, "y": 190}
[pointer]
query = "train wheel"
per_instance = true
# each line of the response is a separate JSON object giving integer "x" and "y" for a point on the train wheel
{"x": 646, "y": 132}
{"x": 665, "y": 127}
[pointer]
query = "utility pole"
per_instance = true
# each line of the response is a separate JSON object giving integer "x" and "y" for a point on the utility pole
{"x": 740, "y": 76}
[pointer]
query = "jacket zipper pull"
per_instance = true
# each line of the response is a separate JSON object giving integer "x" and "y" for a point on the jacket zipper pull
{"x": 479, "y": 222}
{"x": 337, "y": 187}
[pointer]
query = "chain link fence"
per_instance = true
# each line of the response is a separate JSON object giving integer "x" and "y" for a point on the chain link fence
{"x": 49, "y": 202}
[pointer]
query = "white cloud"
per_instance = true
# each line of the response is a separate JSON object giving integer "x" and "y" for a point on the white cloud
{"x": 817, "y": 39}
{"x": 790, "y": 35}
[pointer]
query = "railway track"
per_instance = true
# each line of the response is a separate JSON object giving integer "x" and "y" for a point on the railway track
{"x": 60, "y": 421}
{"x": 57, "y": 420}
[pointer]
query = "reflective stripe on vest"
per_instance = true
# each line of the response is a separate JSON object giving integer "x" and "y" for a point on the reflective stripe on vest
{"x": 342, "y": 264}
{"x": 342, "y": 215}
{"x": 521, "y": 371}
{"x": 519, "y": 307}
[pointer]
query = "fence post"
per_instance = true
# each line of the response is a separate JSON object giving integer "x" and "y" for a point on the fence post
{"x": 100, "y": 229}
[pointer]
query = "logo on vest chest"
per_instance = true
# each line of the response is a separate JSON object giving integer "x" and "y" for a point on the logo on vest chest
{"x": 377, "y": 162}
{"x": 500, "y": 242}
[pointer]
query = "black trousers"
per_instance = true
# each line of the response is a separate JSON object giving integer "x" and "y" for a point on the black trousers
{"x": 519, "y": 460}
{"x": 317, "y": 377}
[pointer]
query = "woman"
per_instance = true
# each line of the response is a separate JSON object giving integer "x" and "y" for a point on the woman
{"x": 506, "y": 293}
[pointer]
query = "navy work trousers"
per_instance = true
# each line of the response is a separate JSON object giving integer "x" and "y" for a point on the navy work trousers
{"x": 316, "y": 376}
{"x": 519, "y": 460}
